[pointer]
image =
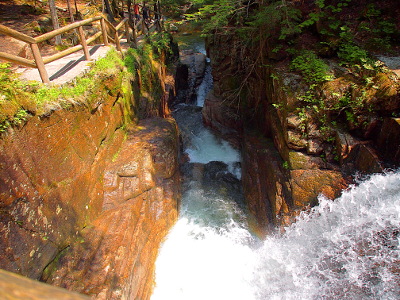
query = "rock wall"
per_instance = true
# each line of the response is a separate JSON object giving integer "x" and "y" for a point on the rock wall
{"x": 288, "y": 162}
{"x": 87, "y": 194}
{"x": 116, "y": 254}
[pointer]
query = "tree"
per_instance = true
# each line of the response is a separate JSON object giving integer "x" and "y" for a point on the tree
{"x": 54, "y": 19}
{"x": 108, "y": 10}
{"x": 71, "y": 15}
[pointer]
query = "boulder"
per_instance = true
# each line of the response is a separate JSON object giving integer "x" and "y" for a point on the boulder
{"x": 306, "y": 185}
{"x": 388, "y": 141}
{"x": 192, "y": 66}
{"x": 356, "y": 155}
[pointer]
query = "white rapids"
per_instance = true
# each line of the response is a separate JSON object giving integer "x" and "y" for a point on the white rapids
{"x": 343, "y": 249}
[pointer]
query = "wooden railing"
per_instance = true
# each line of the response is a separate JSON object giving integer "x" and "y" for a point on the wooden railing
{"x": 108, "y": 31}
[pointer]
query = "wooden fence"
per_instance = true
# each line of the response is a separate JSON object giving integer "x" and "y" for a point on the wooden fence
{"x": 108, "y": 31}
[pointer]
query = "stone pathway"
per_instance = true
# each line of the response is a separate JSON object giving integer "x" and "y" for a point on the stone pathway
{"x": 67, "y": 68}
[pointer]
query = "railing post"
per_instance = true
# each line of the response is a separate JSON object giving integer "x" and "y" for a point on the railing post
{"x": 104, "y": 31}
{"x": 134, "y": 35}
{"x": 39, "y": 63}
{"x": 117, "y": 43}
{"x": 127, "y": 32}
{"x": 83, "y": 43}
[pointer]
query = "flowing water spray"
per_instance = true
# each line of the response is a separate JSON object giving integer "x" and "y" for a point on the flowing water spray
{"x": 342, "y": 249}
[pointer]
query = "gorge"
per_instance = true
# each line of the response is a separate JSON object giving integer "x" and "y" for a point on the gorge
{"x": 229, "y": 174}
{"x": 345, "y": 248}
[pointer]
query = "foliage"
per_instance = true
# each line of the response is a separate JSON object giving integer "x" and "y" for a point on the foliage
{"x": 145, "y": 67}
{"x": 217, "y": 14}
{"x": 14, "y": 101}
{"x": 278, "y": 16}
{"x": 326, "y": 13}
{"x": 379, "y": 30}
{"x": 313, "y": 69}
{"x": 160, "y": 41}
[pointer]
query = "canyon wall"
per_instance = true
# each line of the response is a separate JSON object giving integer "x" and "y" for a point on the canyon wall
{"x": 288, "y": 160}
{"x": 88, "y": 192}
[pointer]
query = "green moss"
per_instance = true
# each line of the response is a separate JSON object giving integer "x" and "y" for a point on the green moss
{"x": 146, "y": 66}
{"x": 54, "y": 96}
{"x": 19, "y": 99}
{"x": 53, "y": 265}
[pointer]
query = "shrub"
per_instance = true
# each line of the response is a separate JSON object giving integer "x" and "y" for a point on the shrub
{"x": 312, "y": 68}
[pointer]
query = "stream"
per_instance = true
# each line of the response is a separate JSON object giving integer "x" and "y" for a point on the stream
{"x": 342, "y": 249}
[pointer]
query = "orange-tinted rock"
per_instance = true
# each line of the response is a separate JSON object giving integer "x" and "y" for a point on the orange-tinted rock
{"x": 62, "y": 172}
{"x": 306, "y": 185}
{"x": 115, "y": 258}
{"x": 50, "y": 178}
{"x": 356, "y": 155}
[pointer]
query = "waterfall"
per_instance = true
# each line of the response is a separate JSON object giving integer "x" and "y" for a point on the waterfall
{"x": 342, "y": 249}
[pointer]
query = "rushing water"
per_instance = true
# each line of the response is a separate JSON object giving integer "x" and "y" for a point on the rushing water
{"x": 342, "y": 249}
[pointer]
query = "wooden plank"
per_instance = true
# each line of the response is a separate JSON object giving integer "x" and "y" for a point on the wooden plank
{"x": 17, "y": 35}
{"x": 117, "y": 43}
{"x": 110, "y": 25}
{"x": 39, "y": 63}
{"x": 111, "y": 39}
{"x": 119, "y": 26}
{"x": 51, "y": 34}
{"x": 127, "y": 35}
{"x": 18, "y": 60}
{"x": 17, "y": 287}
{"x": 94, "y": 37}
{"x": 61, "y": 54}
{"x": 134, "y": 36}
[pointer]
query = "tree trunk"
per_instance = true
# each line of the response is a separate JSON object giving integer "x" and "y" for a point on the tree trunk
{"x": 78, "y": 15}
{"x": 130, "y": 17}
{"x": 71, "y": 14}
{"x": 109, "y": 10}
{"x": 54, "y": 19}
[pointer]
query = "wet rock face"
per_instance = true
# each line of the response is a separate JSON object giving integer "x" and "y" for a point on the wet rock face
{"x": 51, "y": 183}
{"x": 189, "y": 75}
{"x": 117, "y": 252}
{"x": 389, "y": 140}
{"x": 288, "y": 158}
{"x": 75, "y": 183}
{"x": 283, "y": 171}
{"x": 224, "y": 120}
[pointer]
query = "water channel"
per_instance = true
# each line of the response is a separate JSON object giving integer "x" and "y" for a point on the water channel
{"x": 342, "y": 249}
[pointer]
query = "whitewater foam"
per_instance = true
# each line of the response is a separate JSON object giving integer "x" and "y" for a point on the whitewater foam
{"x": 342, "y": 249}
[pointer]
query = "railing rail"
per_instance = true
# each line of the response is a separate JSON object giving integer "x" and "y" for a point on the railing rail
{"x": 108, "y": 31}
